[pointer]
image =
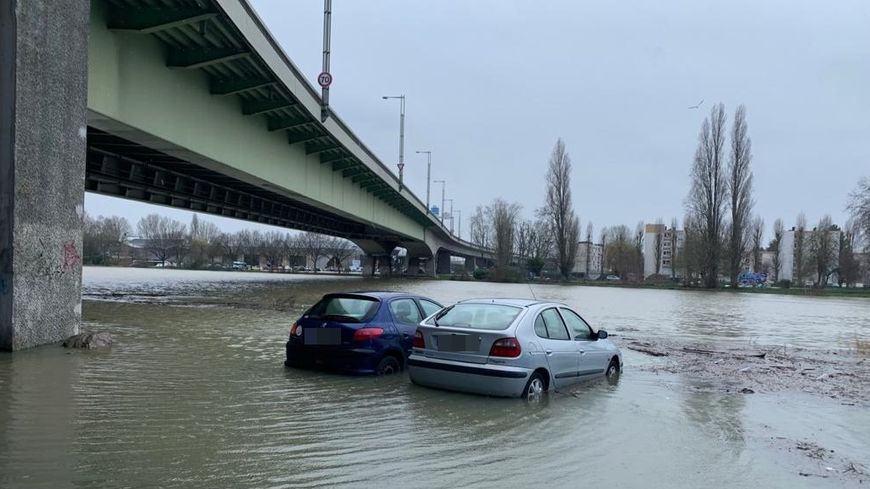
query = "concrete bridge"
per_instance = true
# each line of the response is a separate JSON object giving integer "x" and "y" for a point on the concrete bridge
{"x": 178, "y": 103}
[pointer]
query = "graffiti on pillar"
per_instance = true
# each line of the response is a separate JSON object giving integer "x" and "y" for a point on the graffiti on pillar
{"x": 71, "y": 257}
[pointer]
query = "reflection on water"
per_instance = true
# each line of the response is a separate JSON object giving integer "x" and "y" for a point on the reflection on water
{"x": 198, "y": 397}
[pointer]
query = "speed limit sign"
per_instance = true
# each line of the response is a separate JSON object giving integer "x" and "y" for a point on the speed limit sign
{"x": 324, "y": 79}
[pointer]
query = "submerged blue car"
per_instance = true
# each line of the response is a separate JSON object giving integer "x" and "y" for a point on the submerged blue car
{"x": 359, "y": 332}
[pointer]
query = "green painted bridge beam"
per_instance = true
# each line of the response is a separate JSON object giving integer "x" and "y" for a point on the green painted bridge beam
{"x": 151, "y": 20}
{"x": 343, "y": 164}
{"x": 330, "y": 158}
{"x": 304, "y": 138}
{"x": 202, "y": 57}
{"x": 232, "y": 86}
{"x": 311, "y": 149}
{"x": 256, "y": 107}
{"x": 281, "y": 123}
{"x": 367, "y": 177}
{"x": 352, "y": 172}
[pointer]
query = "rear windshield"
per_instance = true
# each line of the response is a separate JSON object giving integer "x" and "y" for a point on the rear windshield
{"x": 477, "y": 316}
{"x": 344, "y": 309}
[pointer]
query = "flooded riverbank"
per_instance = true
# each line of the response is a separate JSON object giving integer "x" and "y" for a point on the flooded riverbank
{"x": 194, "y": 394}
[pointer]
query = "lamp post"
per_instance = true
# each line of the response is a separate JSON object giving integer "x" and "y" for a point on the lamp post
{"x": 428, "y": 174}
{"x": 451, "y": 214}
{"x": 459, "y": 227}
{"x": 401, "y": 164}
{"x": 443, "y": 185}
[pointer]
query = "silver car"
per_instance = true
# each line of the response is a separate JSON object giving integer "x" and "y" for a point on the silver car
{"x": 509, "y": 348}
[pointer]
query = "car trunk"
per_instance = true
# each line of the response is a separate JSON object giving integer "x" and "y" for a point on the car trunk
{"x": 458, "y": 344}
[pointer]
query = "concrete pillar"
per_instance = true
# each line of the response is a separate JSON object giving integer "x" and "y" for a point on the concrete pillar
{"x": 414, "y": 265}
{"x": 470, "y": 265}
{"x": 442, "y": 266}
{"x": 368, "y": 266}
{"x": 43, "y": 126}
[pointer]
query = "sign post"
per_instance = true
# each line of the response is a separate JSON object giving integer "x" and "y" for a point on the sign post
{"x": 325, "y": 79}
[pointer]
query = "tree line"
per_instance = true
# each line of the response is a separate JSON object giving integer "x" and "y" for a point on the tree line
{"x": 721, "y": 233}
{"x": 201, "y": 244}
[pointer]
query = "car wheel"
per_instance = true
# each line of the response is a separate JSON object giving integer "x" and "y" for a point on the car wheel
{"x": 612, "y": 369}
{"x": 534, "y": 390}
{"x": 388, "y": 365}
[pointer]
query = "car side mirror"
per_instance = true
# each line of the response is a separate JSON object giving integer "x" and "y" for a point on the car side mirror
{"x": 602, "y": 334}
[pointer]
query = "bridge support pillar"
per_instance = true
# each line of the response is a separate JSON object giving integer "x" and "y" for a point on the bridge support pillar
{"x": 442, "y": 262}
{"x": 470, "y": 264}
{"x": 43, "y": 125}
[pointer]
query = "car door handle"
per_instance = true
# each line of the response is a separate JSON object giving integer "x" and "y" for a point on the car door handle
{"x": 549, "y": 352}
{"x": 581, "y": 351}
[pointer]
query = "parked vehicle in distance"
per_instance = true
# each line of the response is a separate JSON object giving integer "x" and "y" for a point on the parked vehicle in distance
{"x": 359, "y": 332}
{"x": 509, "y": 348}
{"x": 240, "y": 265}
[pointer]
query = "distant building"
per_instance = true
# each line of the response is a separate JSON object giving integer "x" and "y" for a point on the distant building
{"x": 659, "y": 235}
{"x": 788, "y": 251}
{"x": 595, "y": 254}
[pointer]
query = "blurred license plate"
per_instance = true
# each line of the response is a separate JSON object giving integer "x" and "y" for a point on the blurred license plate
{"x": 457, "y": 343}
{"x": 322, "y": 336}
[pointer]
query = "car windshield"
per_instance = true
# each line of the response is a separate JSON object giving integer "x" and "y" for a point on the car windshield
{"x": 477, "y": 316}
{"x": 345, "y": 309}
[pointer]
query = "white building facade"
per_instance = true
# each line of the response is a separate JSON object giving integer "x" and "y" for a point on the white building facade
{"x": 669, "y": 240}
{"x": 587, "y": 262}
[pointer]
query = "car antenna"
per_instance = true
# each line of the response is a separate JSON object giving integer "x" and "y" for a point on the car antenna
{"x": 532, "y": 291}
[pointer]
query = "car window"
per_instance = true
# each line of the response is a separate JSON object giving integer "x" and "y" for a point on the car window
{"x": 540, "y": 327}
{"x": 405, "y": 311}
{"x": 346, "y": 309}
{"x": 576, "y": 324}
{"x": 429, "y": 307}
{"x": 477, "y": 316}
{"x": 555, "y": 327}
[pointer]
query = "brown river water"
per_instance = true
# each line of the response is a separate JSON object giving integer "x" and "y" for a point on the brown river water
{"x": 194, "y": 394}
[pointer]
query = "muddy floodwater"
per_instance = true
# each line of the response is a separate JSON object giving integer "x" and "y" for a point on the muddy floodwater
{"x": 194, "y": 394}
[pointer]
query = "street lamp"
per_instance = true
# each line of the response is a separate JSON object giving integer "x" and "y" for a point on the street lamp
{"x": 428, "y": 175}
{"x": 459, "y": 227}
{"x": 443, "y": 185}
{"x": 401, "y": 164}
{"x": 451, "y": 214}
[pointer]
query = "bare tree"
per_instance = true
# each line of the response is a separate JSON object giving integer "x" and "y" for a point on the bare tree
{"x": 740, "y": 190}
{"x": 201, "y": 237}
{"x": 162, "y": 235}
{"x": 103, "y": 238}
{"x": 504, "y": 220}
{"x": 823, "y": 251}
{"x": 658, "y": 246}
{"x": 859, "y": 207}
{"x": 232, "y": 244}
{"x": 707, "y": 197}
{"x": 314, "y": 246}
{"x": 605, "y": 234}
{"x": 849, "y": 267}
{"x": 560, "y": 210}
{"x": 589, "y": 247}
{"x": 674, "y": 251}
{"x": 757, "y": 237}
{"x": 800, "y": 248}
{"x": 637, "y": 261}
{"x": 339, "y": 250}
{"x": 775, "y": 245}
{"x": 524, "y": 235}
{"x": 480, "y": 228}
{"x": 272, "y": 249}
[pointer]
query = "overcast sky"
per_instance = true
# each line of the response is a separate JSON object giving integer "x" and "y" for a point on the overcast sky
{"x": 491, "y": 85}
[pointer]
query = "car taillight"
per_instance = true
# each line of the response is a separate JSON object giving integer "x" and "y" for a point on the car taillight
{"x": 505, "y": 347}
{"x": 296, "y": 330}
{"x": 419, "y": 342}
{"x": 365, "y": 334}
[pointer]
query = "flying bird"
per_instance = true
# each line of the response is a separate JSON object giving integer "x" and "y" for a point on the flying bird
{"x": 698, "y": 105}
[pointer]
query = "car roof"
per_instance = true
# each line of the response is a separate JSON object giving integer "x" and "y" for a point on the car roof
{"x": 506, "y": 301}
{"x": 377, "y": 294}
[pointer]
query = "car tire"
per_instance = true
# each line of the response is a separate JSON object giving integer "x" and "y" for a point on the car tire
{"x": 388, "y": 366}
{"x": 535, "y": 388}
{"x": 612, "y": 369}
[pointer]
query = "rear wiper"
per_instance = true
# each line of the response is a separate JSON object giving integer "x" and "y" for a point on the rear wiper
{"x": 441, "y": 315}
